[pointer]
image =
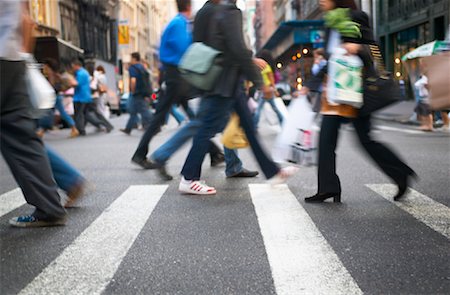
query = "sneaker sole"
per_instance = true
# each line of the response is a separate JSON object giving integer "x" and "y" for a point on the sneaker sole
{"x": 197, "y": 193}
{"x": 41, "y": 223}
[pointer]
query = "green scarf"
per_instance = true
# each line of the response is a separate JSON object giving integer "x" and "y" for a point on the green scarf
{"x": 339, "y": 19}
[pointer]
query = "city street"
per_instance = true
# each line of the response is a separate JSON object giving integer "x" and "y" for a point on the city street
{"x": 134, "y": 233}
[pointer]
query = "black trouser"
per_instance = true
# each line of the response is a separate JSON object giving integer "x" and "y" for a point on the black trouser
{"x": 388, "y": 161}
{"x": 87, "y": 112}
{"x": 175, "y": 90}
{"x": 22, "y": 149}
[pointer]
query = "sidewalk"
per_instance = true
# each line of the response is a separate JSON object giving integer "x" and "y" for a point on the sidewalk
{"x": 399, "y": 112}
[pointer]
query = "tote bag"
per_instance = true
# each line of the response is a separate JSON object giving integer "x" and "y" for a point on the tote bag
{"x": 233, "y": 135}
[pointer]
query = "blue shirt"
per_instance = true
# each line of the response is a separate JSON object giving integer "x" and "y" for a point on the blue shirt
{"x": 176, "y": 39}
{"x": 135, "y": 71}
{"x": 83, "y": 90}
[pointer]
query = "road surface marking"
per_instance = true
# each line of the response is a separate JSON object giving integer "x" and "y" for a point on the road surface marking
{"x": 11, "y": 200}
{"x": 426, "y": 210}
{"x": 404, "y": 130}
{"x": 301, "y": 260}
{"x": 88, "y": 264}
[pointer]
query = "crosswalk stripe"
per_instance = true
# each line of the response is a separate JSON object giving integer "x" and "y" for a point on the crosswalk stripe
{"x": 301, "y": 260}
{"x": 404, "y": 130}
{"x": 11, "y": 200}
{"x": 88, "y": 264}
{"x": 423, "y": 208}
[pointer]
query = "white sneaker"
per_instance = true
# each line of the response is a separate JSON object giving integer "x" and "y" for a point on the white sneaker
{"x": 195, "y": 187}
{"x": 283, "y": 175}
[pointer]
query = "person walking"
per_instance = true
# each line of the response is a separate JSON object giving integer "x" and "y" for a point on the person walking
{"x": 140, "y": 92}
{"x": 268, "y": 92}
{"x": 51, "y": 71}
{"x": 20, "y": 146}
{"x": 176, "y": 38}
{"x": 102, "y": 100}
{"x": 334, "y": 115}
{"x": 84, "y": 106}
{"x": 220, "y": 26}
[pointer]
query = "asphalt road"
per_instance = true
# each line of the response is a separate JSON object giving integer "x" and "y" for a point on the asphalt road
{"x": 136, "y": 234}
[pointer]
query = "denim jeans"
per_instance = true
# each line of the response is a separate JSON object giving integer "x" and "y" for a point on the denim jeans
{"x": 261, "y": 103}
{"x": 164, "y": 152}
{"x": 60, "y": 107}
{"x": 65, "y": 175}
{"x": 175, "y": 112}
{"x": 216, "y": 110}
{"x": 46, "y": 121}
{"x": 138, "y": 105}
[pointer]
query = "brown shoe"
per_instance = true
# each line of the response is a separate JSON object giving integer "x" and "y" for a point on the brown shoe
{"x": 75, "y": 194}
{"x": 74, "y": 132}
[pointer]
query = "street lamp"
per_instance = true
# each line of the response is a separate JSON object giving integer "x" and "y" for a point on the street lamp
{"x": 398, "y": 74}
{"x": 299, "y": 55}
{"x": 305, "y": 51}
{"x": 397, "y": 60}
{"x": 279, "y": 65}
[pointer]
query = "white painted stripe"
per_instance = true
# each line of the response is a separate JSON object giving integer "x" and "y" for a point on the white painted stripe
{"x": 301, "y": 260}
{"x": 88, "y": 264}
{"x": 426, "y": 210}
{"x": 404, "y": 130}
{"x": 11, "y": 200}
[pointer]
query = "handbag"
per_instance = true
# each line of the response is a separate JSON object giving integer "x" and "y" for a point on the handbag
{"x": 200, "y": 66}
{"x": 41, "y": 93}
{"x": 380, "y": 90}
{"x": 233, "y": 135}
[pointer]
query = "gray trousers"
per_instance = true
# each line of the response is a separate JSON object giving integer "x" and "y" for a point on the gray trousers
{"x": 22, "y": 149}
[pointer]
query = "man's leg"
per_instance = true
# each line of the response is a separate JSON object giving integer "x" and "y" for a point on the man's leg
{"x": 143, "y": 109}
{"x": 163, "y": 107}
{"x": 79, "y": 117}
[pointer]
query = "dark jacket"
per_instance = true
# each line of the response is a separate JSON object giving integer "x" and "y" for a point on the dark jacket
{"x": 220, "y": 26}
{"x": 367, "y": 38}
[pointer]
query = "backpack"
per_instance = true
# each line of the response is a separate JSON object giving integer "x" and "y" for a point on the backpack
{"x": 143, "y": 84}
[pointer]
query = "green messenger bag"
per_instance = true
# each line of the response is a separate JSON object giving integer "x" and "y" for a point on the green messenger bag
{"x": 200, "y": 66}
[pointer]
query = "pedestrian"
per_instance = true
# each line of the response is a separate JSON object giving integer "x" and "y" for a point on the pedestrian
{"x": 175, "y": 40}
{"x": 334, "y": 115}
{"x": 423, "y": 109}
{"x": 21, "y": 148}
{"x": 220, "y": 26}
{"x": 140, "y": 92}
{"x": 319, "y": 63}
{"x": 102, "y": 101}
{"x": 51, "y": 71}
{"x": 85, "y": 109}
{"x": 269, "y": 91}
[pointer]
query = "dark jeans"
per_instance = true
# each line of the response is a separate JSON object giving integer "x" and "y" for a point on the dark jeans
{"x": 87, "y": 112}
{"x": 138, "y": 105}
{"x": 388, "y": 161}
{"x": 175, "y": 90}
{"x": 216, "y": 117}
{"x": 21, "y": 148}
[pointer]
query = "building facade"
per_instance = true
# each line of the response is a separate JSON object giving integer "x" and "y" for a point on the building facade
{"x": 265, "y": 22}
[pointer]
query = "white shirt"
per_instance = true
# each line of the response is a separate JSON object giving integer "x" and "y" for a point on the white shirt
{"x": 420, "y": 85}
{"x": 10, "y": 30}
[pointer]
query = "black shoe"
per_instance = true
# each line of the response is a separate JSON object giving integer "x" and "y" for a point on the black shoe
{"x": 126, "y": 131}
{"x": 244, "y": 173}
{"x": 403, "y": 185}
{"x": 144, "y": 163}
{"x": 109, "y": 129}
{"x": 319, "y": 198}
{"x": 163, "y": 173}
{"x": 217, "y": 159}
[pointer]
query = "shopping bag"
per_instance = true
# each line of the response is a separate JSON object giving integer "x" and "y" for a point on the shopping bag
{"x": 233, "y": 135}
{"x": 270, "y": 114}
{"x": 296, "y": 142}
{"x": 345, "y": 83}
{"x": 41, "y": 93}
{"x": 438, "y": 73}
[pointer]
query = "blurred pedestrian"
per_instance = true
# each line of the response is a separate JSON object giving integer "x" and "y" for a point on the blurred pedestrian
{"x": 175, "y": 40}
{"x": 140, "y": 92}
{"x": 102, "y": 100}
{"x": 85, "y": 109}
{"x": 423, "y": 108}
{"x": 220, "y": 26}
{"x": 334, "y": 115}
{"x": 21, "y": 148}
{"x": 319, "y": 63}
{"x": 269, "y": 91}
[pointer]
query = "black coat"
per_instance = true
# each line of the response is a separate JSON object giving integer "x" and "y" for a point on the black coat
{"x": 220, "y": 26}
{"x": 366, "y": 39}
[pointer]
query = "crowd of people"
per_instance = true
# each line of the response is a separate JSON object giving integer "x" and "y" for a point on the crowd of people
{"x": 217, "y": 25}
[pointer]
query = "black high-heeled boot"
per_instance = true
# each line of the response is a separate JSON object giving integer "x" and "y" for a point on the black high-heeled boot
{"x": 321, "y": 197}
{"x": 403, "y": 185}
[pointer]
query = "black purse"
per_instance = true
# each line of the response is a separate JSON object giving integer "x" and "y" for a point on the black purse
{"x": 379, "y": 90}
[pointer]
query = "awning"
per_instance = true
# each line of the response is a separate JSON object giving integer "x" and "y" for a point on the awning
{"x": 295, "y": 32}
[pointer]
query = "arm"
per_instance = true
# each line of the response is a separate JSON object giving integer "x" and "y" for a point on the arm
{"x": 132, "y": 84}
{"x": 27, "y": 30}
{"x": 176, "y": 35}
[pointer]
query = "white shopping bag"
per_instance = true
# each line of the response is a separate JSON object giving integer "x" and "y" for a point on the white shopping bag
{"x": 270, "y": 115}
{"x": 297, "y": 141}
{"x": 345, "y": 84}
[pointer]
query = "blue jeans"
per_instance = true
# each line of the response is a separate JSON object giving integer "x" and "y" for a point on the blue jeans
{"x": 65, "y": 175}
{"x": 138, "y": 105}
{"x": 60, "y": 107}
{"x": 176, "y": 114}
{"x": 164, "y": 152}
{"x": 261, "y": 102}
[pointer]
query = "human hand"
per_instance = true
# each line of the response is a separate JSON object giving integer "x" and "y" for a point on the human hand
{"x": 260, "y": 63}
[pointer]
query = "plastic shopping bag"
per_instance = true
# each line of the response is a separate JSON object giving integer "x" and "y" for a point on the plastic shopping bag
{"x": 345, "y": 83}
{"x": 233, "y": 135}
{"x": 297, "y": 141}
